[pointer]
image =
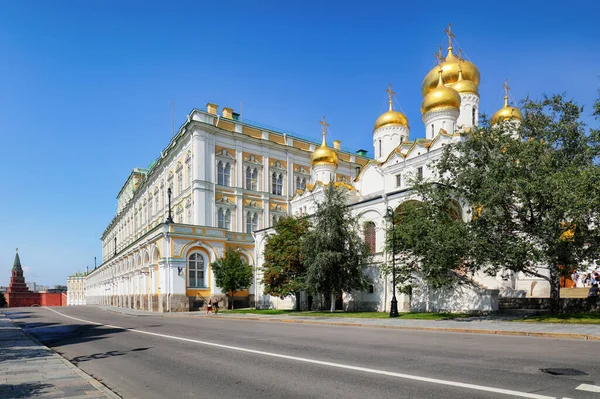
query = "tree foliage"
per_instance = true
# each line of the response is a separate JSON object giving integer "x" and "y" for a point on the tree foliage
{"x": 2, "y": 300}
{"x": 336, "y": 255}
{"x": 232, "y": 274}
{"x": 284, "y": 271}
{"x": 534, "y": 193}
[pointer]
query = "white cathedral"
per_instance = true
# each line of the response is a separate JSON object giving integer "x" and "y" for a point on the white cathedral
{"x": 222, "y": 182}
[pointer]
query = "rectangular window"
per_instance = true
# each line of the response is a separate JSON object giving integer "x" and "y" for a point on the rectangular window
{"x": 420, "y": 173}
{"x": 398, "y": 180}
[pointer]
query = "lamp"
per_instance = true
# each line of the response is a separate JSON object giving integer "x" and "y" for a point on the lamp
{"x": 389, "y": 216}
{"x": 169, "y": 217}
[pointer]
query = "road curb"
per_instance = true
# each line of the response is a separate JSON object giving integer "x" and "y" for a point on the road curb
{"x": 91, "y": 380}
{"x": 434, "y": 329}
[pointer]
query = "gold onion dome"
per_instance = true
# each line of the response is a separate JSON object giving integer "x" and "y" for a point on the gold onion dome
{"x": 507, "y": 113}
{"x": 464, "y": 86}
{"x": 441, "y": 97}
{"x": 391, "y": 117}
{"x": 324, "y": 155}
{"x": 451, "y": 66}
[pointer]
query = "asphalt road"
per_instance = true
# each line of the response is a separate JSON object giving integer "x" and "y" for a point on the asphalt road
{"x": 212, "y": 357}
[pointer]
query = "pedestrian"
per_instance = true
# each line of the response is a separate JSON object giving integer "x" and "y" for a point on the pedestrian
{"x": 593, "y": 293}
{"x": 215, "y": 305}
{"x": 575, "y": 278}
{"x": 209, "y": 306}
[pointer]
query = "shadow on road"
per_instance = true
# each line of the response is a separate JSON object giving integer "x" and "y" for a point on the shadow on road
{"x": 104, "y": 355}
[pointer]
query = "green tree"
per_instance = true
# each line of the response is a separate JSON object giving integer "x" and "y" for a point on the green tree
{"x": 2, "y": 300}
{"x": 430, "y": 243}
{"x": 336, "y": 255}
{"x": 284, "y": 271}
{"x": 232, "y": 274}
{"x": 534, "y": 190}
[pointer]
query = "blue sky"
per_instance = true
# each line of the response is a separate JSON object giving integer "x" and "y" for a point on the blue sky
{"x": 86, "y": 88}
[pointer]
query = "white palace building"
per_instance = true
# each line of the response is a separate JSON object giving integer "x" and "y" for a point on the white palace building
{"x": 231, "y": 179}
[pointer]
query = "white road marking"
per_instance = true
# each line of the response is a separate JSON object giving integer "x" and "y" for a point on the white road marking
{"x": 589, "y": 388}
{"x": 328, "y": 364}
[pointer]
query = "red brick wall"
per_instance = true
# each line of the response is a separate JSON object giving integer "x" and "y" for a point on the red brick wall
{"x": 35, "y": 298}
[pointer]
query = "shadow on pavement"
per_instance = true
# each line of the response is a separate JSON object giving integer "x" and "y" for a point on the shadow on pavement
{"x": 26, "y": 390}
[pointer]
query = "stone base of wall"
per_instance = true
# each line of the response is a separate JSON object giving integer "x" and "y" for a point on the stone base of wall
{"x": 154, "y": 303}
{"x": 566, "y": 305}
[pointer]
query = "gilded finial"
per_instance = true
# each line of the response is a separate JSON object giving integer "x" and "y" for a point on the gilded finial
{"x": 439, "y": 55}
{"x": 324, "y": 125}
{"x": 390, "y": 93}
{"x": 506, "y": 90}
{"x": 451, "y": 36}
{"x": 459, "y": 55}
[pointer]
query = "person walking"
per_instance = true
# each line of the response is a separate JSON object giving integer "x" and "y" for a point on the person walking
{"x": 593, "y": 293}
{"x": 215, "y": 305}
{"x": 209, "y": 306}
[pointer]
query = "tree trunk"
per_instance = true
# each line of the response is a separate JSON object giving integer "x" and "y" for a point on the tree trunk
{"x": 554, "y": 290}
{"x": 332, "y": 305}
{"x": 297, "y": 295}
{"x": 232, "y": 292}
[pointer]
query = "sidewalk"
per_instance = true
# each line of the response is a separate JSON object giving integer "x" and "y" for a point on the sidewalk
{"x": 29, "y": 369}
{"x": 497, "y": 325}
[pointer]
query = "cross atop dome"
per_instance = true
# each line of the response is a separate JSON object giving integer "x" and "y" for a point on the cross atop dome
{"x": 390, "y": 93}
{"x": 324, "y": 125}
{"x": 451, "y": 36}
{"x": 506, "y": 91}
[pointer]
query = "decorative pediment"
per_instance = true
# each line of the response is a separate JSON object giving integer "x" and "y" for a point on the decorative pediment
{"x": 302, "y": 171}
{"x": 188, "y": 156}
{"x": 156, "y": 190}
{"x": 179, "y": 166}
{"x": 170, "y": 176}
{"x": 224, "y": 154}
{"x": 277, "y": 166}
{"x": 224, "y": 201}
{"x": 251, "y": 204}
{"x": 188, "y": 202}
{"x": 252, "y": 160}
{"x": 278, "y": 208}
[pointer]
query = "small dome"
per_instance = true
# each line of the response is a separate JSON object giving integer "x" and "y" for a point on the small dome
{"x": 463, "y": 85}
{"x": 450, "y": 68}
{"x": 507, "y": 113}
{"x": 391, "y": 117}
{"x": 441, "y": 97}
{"x": 324, "y": 155}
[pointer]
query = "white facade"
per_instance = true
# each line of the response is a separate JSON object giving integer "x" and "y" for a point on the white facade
{"x": 76, "y": 290}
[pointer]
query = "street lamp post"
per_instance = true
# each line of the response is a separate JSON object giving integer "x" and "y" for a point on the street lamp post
{"x": 169, "y": 217}
{"x": 394, "y": 307}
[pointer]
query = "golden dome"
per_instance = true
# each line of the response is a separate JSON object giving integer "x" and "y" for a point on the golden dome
{"x": 324, "y": 155}
{"x": 463, "y": 85}
{"x": 391, "y": 117}
{"x": 507, "y": 113}
{"x": 441, "y": 97}
{"x": 450, "y": 68}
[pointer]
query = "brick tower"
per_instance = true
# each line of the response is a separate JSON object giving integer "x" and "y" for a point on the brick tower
{"x": 18, "y": 294}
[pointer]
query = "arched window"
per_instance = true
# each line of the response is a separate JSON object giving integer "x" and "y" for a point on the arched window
{"x": 370, "y": 236}
{"x": 251, "y": 178}
{"x": 196, "y": 271}
{"x": 156, "y": 203}
{"x": 277, "y": 184}
{"x": 274, "y": 219}
{"x": 380, "y": 147}
{"x": 179, "y": 182}
{"x": 474, "y": 112}
{"x": 189, "y": 172}
{"x": 432, "y": 130}
{"x": 223, "y": 173}
{"x": 298, "y": 183}
{"x": 224, "y": 218}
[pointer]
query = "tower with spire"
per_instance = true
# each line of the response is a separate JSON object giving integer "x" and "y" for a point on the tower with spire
{"x": 17, "y": 289}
